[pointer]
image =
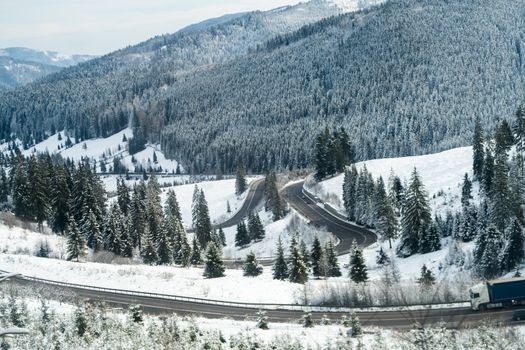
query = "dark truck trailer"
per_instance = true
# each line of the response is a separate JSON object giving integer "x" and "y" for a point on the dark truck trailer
{"x": 498, "y": 293}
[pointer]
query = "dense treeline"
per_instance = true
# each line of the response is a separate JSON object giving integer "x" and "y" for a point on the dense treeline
{"x": 395, "y": 94}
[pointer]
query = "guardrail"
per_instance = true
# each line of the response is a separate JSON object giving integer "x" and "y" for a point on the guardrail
{"x": 234, "y": 304}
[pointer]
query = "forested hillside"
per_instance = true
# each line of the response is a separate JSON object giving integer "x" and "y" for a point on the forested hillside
{"x": 406, "y": 77}
{"x": 97, "y": 98}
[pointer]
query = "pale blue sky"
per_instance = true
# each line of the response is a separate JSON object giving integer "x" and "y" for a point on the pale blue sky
{"x": 101, "y": 26}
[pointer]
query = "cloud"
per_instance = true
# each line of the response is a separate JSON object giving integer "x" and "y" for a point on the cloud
{"x": 101, "y": 26}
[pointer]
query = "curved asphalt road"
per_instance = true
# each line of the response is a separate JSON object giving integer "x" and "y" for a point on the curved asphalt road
{"x": 343, "y": 230}
{"x": 253, "y": 199}
{"x": 395, "y": 319}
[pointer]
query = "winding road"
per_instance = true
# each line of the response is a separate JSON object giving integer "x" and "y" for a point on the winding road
{"x": 345, "y": 231}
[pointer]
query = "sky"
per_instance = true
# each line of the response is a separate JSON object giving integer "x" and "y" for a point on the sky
{"x": 100, "y": 26}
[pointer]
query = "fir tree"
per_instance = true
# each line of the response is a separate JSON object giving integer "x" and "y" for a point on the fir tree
{"x": 203, "y": 227}
{"x": 478, "y": 152}
{"x": 490, "y": 266}
{"x": 308, "y": 321}
{"x": 316, "y": 256}
{"x": 488, "y": 171}
{"x": 513, "y": 252}
{"x": 196, "y": 257}
{"x": 349, "y": 191}
{"x": 416, "y": 217}
{"x": 60, "y": 199}
{"x": 298, "y": 271}
{"x": 427, "y": 279}
{"x": 430, "y": 242}
{"x": 358, "y": 270}
{"x": 163, "y": 246}
{"x": 222, "y": 236}
{"x": 135, "y": 313}
{"x": 355, "y": 326}
{"x": 148, "y": 252}
{"x": 332, "y": 268}
{"x": 386, "y": 220}
{"x": 255, "y": 227}
{"x": 137, "y": 216}
{"x": 172, "y": 206}
{"x": 273, "y": 203}
{"x": 213, "y": 266}
{"x": 466, "y": 191}
{"x": 123, "y": 198}
{"x": 280, "y": 267}
{"x": 242, "y": 238}
{"x": 94, "y": 238}
{"x": 240, "y": 180}
{"x": 75, "y": 241}
{"x": 382, "y": 258}
{"x": 251, "y": 267}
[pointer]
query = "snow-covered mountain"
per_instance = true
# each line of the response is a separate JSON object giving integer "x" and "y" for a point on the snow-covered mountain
{"x": 20, "y": 65}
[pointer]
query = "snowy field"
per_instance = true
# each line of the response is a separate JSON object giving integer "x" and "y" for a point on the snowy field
{"x": 441, "y": 173}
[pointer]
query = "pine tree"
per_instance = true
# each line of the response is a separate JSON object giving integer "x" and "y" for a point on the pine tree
{"x": 251, "y": 267}
{"x": 153, "y": 207}
{"x": 80, "y": 321}
{"x": 39, "y": 190}
{"x": 163, "y": 246}
{"x": 60, "y": 199}
{"x": 94, "y": 238}
{"x": 203, "y": 227}
{"x": 355, "y": 326}
{"x": 172, "y": 206}
{"x": 240, "y": 180}
{"x": 4, "y": 186}
{"x": 113, "y": 230}
{"x": 242, "y": 238}
{"x": 427, "y": 279}
{"x": 255, "y": 227}
{"x": 135, "y": 313}
{"x": 213, "y": 266}
{"x": 513, "y": 252}
{"x": 137, "y": 216}
{"x": 123, "y": 198}
{"x": 349, "y": 191}
{"x": 196, "y": 257}
{"x": 490, "y": 265}
{"x": 416, "y": 217}
{"x": 273, "y": 203}
{"x": 395, "y": 191}
{"x": 466, "y": 191}
{"x": 382, "y": 258}
{"x": 358, "y": 271}
{"x": 298, "y": 271}
{"x": 321, "y": 156}
{"x": 386, "y": 220}
{"x": 332, "y": 268}
{"x": 308, "y": 321}
{"x": 430, "y": 242}
{"x": 222, "y": 236}
{"x": 148, "y": 252}
{"x": 280, "y": 267}
{"x": 488, "y": 171}
{"x": 478, "y": 152}
{"x": 317, "y": 256}
{"x": 76, "y": 244}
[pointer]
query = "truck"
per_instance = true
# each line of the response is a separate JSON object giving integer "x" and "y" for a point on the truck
{"x": 503, "y": 292}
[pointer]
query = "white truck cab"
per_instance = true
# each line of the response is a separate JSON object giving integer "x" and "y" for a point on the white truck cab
{"x": 479, "y": 296}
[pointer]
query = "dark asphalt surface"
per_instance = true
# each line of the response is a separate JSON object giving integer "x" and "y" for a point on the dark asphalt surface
{"x": 394, "y": 319}
{"x": 343, "y": 230}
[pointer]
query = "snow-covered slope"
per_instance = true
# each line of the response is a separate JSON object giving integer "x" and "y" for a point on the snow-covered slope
{"x": 441, "y": 173}
{"x": 21, "y": 66}
{"x": 106, "y": 150}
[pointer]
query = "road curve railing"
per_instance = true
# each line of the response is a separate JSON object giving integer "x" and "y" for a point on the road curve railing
{"x": 234, "y": 304}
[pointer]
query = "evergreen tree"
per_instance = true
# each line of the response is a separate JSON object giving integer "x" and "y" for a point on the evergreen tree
{"x": 123, "y": 198}
{"x": 240, "y": 180}
{"x": 355, "y": 326}
{"x": 196, "y": 257}
{"x": 321, "y": 156}
{"x": 148, "y": 252}
{"x": 76, "y": 244}
{"x": 317, "y": 256}
{"x": 395, "y": 191}
{"x": 478, "y": 151}
{"x": 4, "y": 186}
{"x": 349, "y": 191}
{"x": 280, "y": 267}
{"x": 153, "y": 207}
{"x": 298, "y": 271}
{"x": 255, "y": 227}
{"x": 519, "y": 130}
{"x": 427, "y": 279}
{"x": 60, "y": 199}
{"x": 358, "y": 270}
{"x": 332, "y": 268}
{"x": 382, "y": 258}
{"x": 343, "y": 150}
{"x": 466, "y": 191}
{"x": 416, "y": 217}
{"x": 203, "y": 227}
{"x": 430, "y": 242}
{"x": 251, "y": 267}
{"x": 172, "y": 206}
{"x": 513, "y": 252}
{"x": 386, "y": 220}
{"x": 490, "y": 265}
{"x": 242, "y": 238}
{"x": 273, "y": 203}
{"x": 488, "y": 171}
{"x": 308, "y": 321}
{"x": 213, "y": 266}
{"x": 94, "y": 238}
{"x": 137, "y": 216}
{"x": 500, "y": 209}
{"x": 135, "y": 313}
{"x": 163, "y": 246}
{"x": 39, "y": 190}
{"x": 222, "y": 236}
{"x": 114, "y": 228}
